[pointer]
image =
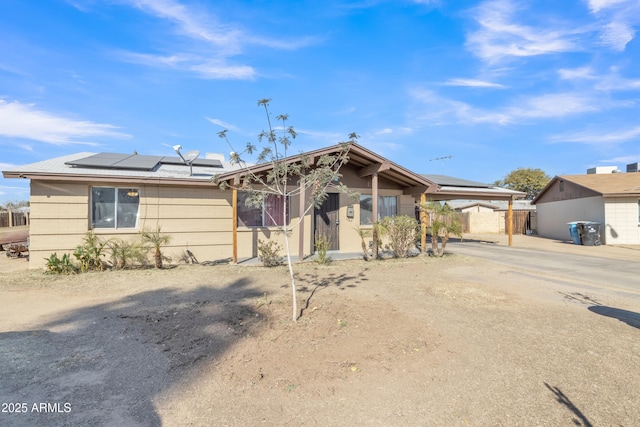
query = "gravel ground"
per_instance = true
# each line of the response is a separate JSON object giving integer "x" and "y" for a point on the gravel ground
{"x": 424, "y": 341}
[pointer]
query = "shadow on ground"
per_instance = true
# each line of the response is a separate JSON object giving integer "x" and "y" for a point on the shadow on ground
{"x": 581, "y": 419}
{"x": 105, "y": 364}
{"x": 631, "y": 318}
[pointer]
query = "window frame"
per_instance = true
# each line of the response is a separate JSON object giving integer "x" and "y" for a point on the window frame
{"x": 381, "y": 203}
{"x": 251, "y": 213}
{"x": 114, "y": 211}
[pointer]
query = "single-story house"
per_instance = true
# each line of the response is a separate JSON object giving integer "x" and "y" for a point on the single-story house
{"x": 118, "y": 195}
{"x": 612, "y": 199}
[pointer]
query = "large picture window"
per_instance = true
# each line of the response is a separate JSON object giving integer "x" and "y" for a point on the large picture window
{"x": 387, "y": 206}
{"x": 114, "y": 207}
{"x": 270, "y": 214}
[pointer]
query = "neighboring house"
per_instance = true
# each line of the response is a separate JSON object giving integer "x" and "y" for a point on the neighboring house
{"x": 118, "y": 195}
{"x": 612, "y": 199}
{"x": 485, "y": 213}
{"x": 491, "y": 216}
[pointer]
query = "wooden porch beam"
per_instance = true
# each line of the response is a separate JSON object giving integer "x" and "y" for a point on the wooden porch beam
{"x": 374, "y": 169}
{"x": 416, "y": 189}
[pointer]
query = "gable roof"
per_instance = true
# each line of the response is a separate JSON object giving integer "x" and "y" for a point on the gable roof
{"x": 607, "y": 185}
{"x": 365, "y": 161}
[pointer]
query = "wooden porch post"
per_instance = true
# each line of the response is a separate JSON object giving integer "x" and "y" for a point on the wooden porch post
{"x": 234, "y": 218}
{"x": 510, "y": 221}
{"x": 301, "y": 235}
{"x": 423, "y": 224}
{"x": 374, "y": 195}
{"x": 10, "y": 218}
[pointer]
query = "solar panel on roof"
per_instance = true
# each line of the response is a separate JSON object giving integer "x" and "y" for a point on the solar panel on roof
{"x": 212, "y": 163}
{"x": 136, "y": 161}
{"x": 99, "y": 160}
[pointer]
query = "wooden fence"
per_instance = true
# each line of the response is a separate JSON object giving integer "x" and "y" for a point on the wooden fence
{"x": 14, "y": 219}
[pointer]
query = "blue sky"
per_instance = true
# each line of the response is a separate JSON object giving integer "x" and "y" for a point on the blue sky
{"x": 472, "y": 89}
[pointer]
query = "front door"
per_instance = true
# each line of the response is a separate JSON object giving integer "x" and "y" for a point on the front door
{"x": 327, "y": 221}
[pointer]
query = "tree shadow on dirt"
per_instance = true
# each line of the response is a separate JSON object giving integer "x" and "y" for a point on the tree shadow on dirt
{"x": 631, "y": 318}
{"x": 581, "y": 420}
{"x": 108, "y": 362}
{"x": 315, "y": 283}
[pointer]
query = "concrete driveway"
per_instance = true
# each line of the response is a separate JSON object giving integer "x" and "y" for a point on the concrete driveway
{"x": 616, "y": 268}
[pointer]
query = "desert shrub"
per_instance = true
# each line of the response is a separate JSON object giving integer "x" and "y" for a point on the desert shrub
{"x": 127, "y": 254}
{"x": 401, "y": 232}
{"x": 322, "y": 247}
{"x": 90, "y": 253}
{"x": 156, "y": 239}
{"x": 57, "y": 265}
{"x": 269, "y": 253}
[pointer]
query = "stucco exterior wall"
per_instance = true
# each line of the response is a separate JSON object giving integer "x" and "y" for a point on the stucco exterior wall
{"x": 196, "y": 217}
{"x": 622, "y": 223}
{"x": 552, "y": 217}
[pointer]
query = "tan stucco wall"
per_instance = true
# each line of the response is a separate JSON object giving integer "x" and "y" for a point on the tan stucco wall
{"x": 553, "y": 217}
{"x": 196, "y": 217}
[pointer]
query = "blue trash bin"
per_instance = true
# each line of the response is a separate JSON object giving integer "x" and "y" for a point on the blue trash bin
{"x": 573, "y": 231}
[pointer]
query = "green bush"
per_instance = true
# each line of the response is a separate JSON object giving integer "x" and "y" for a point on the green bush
{"x": 322, "y": 247}
{"x": 269, "y": 253}
{"x": 401, "y": 232}
{"x": 57, "y": 265}
{"x": 89, "y": 254}
{"x": 127, "y": 254}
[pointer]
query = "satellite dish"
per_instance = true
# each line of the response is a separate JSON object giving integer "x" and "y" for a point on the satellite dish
{"x": 190, "y": 156}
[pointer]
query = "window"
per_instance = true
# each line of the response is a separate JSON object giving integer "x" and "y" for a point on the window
{"x": 267, "y": 215}
{"x": 387, "y": 206}
{"x": 114, "y": 207}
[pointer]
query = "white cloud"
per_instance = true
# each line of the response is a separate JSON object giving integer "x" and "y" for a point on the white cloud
{"x": 212, "y": 43}
{"x": 577, "y": 73}
{"x": 25, "y": 121}
{"x": 473, "y": 83}
{"x": 440, "y": 110}
{"x": 633, "y": 158}
{"x": 195, "y": 64}
{"x": 600, "y": 138}
{"x": 501, "y": 36}
{"x": 598, "y": 5}
{"x": 222, "y": 124}
{"x": 556, "y": 105}
{"x": 385, "y": 131}
{"x": 617, "y": 35}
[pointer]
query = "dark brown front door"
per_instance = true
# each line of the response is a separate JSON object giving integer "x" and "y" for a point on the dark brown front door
{"x": 327, "y": 221}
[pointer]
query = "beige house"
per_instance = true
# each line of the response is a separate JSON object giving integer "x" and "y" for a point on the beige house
{"x": 118, "y": 195}
{"x": 611, "y": 199}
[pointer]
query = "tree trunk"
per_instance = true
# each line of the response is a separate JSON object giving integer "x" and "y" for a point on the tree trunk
{"x": 158, "y": 258}
{"x": 445, "y": 239}
{"x": 374, "y": 235}
{"x": 293, "y": 280}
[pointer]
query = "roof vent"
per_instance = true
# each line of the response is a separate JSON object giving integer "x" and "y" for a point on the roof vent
{"x": 602, "y": 169}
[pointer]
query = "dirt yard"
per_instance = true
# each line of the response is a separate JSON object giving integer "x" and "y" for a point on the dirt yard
{"x": 444, "y": 342}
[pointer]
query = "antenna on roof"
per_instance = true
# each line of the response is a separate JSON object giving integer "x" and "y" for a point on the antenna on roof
{"x": 188, "y": 158}
{"x": 441, "y": 158}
